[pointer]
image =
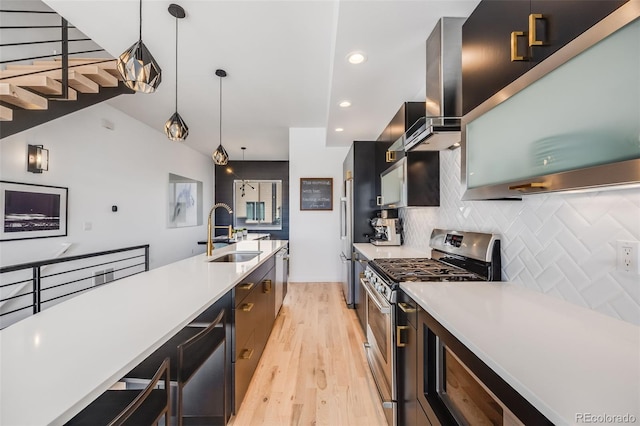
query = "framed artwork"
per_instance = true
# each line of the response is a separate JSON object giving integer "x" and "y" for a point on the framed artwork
{"x": 316, "y": 193}
{"x": 32, "y": 211}
{"x": 185, "y": 202}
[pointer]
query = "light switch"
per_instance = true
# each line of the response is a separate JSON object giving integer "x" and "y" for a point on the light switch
{"x": 87, "y": 226}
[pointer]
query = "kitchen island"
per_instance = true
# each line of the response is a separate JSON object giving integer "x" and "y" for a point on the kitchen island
{"x": 574, "y": 365}
{"x": 55, "y": 363}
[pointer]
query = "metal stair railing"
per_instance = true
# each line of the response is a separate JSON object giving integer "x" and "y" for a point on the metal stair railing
{"x": 29, "y": 288}
{"x": 64, "y": 44}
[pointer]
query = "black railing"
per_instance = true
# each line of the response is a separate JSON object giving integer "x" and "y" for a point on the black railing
{"x": 64, "y": 41}
{"x": 28, "y": 288}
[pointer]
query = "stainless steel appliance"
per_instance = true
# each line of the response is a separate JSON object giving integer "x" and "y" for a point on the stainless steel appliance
{"x": 388, "y": 232}
{"x": 282, "y": 276}
{"x": 361, "y": 186}
{"x": 440, "y": 128}
{"x": 456, "y": 256}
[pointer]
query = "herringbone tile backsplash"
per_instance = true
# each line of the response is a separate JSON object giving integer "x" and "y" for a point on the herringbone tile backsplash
{"x": 560, "y": 244}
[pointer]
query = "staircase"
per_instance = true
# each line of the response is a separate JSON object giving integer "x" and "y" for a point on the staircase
{"x": 51, "y": 85}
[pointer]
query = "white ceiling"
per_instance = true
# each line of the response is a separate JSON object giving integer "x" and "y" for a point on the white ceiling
{"x": 286, "y": 64}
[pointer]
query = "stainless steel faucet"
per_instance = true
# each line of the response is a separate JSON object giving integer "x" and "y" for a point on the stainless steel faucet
{"x": 210, "y": 228}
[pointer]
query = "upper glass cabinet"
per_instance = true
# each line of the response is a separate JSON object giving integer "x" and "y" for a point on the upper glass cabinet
{"x": 577, "y": 126}
{"x": 257, "y": 204}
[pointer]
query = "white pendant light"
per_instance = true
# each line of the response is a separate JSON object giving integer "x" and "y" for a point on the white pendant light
{"x": 220, "y": 156}
{"x": 175, "y": 128}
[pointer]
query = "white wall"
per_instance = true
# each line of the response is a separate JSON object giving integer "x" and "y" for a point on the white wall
{"x": 562, "y": 244}
{"x": 314, "y": 236}
{"x": 128, "y": 167}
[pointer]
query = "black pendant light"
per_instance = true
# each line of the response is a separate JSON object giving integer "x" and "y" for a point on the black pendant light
{"x": 175, "y": 127}
{"x": 137, "y": 67}
{"x": 220, "y": 156}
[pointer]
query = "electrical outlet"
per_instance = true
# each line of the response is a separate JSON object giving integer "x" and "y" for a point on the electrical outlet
{"x": 627, "y": 256}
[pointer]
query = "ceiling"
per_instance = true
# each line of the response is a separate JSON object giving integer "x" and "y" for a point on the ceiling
{"x": 286, "y": 65}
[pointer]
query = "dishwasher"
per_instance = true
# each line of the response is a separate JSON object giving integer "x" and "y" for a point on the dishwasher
{"x": 282, "y": 275}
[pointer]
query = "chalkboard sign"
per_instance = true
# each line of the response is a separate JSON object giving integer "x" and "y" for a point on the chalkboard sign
{"x": 316, "y": 193}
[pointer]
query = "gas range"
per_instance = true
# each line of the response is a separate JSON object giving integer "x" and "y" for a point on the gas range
{"x": 456, "y": 256}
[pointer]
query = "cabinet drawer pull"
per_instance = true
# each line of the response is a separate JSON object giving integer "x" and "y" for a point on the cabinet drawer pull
{"x": 514, "y": 46}
{"x": 246, "y": 286}
{"x": 267, "y": 285}
{"x": 406, "y": 308}
{"x": 530, "y": 185}
{"x": 399, "y": 342}
{"x": 247, "y": 307}
{"x": 246, "y": 354}
{"x": 391, "y": 156}
{"x": 533, "y": 41}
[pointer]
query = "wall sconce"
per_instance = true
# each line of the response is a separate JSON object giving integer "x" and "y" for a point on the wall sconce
{"x": 37, "y": 159}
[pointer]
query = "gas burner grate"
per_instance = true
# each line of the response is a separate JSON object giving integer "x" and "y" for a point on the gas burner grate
{"x": 421, "y": 269}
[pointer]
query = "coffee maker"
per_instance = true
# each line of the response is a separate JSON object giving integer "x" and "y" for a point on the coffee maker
{"x": 388, "y": 230}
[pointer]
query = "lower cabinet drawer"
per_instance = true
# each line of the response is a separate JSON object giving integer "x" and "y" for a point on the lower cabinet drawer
{"x": 244, "y": 366}
{"x": 247, "y": 316}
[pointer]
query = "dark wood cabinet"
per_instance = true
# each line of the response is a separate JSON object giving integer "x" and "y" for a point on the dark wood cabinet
{"x": 413, "y": 181}
{"x": 405, "y": 117}
{"x": 407, "y": 361}
{"x": 253, "y": 318}
{"x": 503, "y": 39}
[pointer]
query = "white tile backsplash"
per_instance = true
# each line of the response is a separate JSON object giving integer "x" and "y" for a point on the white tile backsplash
{"x": 560, "y": 244}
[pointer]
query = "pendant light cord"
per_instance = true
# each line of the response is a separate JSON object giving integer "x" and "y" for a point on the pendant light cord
{"x": 176, "y": 64}
{"x": 140, "y": 38}
{"x": 220, "y": 110}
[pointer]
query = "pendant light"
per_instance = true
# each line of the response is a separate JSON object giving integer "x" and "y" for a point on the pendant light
{"x": 138, "y": 68}
{"x": 220, "y": 156}
{"x": 175, "y": 127}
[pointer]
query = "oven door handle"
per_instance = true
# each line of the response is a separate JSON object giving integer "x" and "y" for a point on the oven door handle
{"x": 383, "y": 306}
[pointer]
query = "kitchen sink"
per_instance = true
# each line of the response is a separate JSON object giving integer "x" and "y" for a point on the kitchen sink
{"x": 235, "y": 256}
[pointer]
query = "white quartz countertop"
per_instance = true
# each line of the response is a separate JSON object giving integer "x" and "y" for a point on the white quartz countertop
{"x": 371, "y": 251}
{"x": 56, "y": 362}
{"x": 566, "y": 360}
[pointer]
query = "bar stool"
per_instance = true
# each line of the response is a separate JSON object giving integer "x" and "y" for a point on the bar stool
{"x": 188, "y": 350}
{"x": 130, "y": 407}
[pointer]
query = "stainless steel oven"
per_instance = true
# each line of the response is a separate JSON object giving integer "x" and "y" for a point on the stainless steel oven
{"x": 456, "y": 256}
{"x": 379, "y": 346}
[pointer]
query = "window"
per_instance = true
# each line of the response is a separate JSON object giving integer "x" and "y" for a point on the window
{"x": 255, "y": 211}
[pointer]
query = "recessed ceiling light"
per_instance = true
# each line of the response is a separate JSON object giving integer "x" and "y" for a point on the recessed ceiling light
{"x": 356, "y": 58}
{"x": 339, "y": 129}
{"x": 345, "y": 104}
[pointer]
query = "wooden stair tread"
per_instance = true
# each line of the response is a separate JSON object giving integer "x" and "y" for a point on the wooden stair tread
{"x": 6, "y": 114}
{"x": 77, "y": 80}
{"x": 93, "y": 72}
{"x": 110, "y": 66}
{"x": 39, "y": 83}
{"x": 20, "y": 97}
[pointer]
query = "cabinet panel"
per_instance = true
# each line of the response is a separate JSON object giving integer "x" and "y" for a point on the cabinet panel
{"x": 244, "y": 368}
{"x": 413, "y": 181}
{"x": 562, "y": 21}
{"x": 486, "y": 49}
{"x": 407, "y": 358}
{"x": 491, "y": 61}
{"x": 581, "y": 115}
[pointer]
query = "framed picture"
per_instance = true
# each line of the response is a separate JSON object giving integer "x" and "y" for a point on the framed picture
{"x": 32, "y": 211}
{"x": 316, "y": 193}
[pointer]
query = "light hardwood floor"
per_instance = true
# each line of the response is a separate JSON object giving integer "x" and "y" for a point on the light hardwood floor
{"x": 313, "y": 370}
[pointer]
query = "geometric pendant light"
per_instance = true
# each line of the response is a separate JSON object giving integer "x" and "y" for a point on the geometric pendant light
{"x": 175, "y": 127}
{"x": 220, "y": 156}
{"x": 138, "y": 68}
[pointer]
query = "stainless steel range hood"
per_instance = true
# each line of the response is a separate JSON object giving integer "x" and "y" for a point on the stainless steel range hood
{"x": 440, "y": 129}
